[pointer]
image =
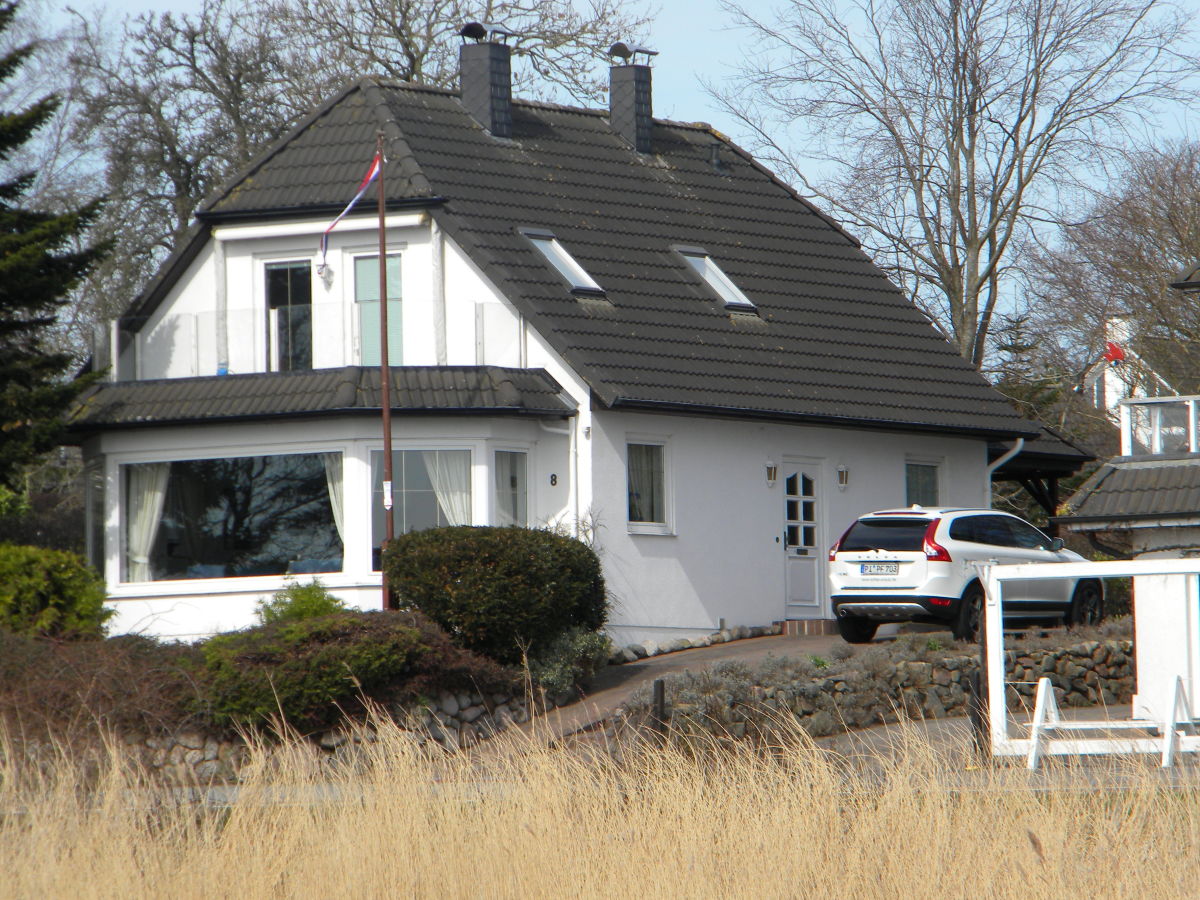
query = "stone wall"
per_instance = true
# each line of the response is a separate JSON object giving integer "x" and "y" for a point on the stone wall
{"x": 1084, "y": 674}
{"x": 451, "y": 722}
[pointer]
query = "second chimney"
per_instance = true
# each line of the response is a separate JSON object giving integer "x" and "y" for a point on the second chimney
{"x": 629, "y": 109}
{"x": 485, "y": 76}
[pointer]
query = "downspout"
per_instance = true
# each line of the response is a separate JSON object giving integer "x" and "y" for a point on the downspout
{"x": 987, "y": 487}
{"x": 438, "y": 249}
{"x": 573, "y": 463}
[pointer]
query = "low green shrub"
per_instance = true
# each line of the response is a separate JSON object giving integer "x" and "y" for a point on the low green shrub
{"x": 502, "y": 592}
{"x": 311, "y": 672}
{"x": 570, "y": 661}
{"x": 50, "y": 593}
{"x": 298, "y": 601}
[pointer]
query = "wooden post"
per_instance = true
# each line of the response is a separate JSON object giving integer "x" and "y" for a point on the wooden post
{"x": 385, "y": 379}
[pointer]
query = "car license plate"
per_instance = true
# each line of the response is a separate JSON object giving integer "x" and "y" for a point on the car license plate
{"x": 880, "y": 568}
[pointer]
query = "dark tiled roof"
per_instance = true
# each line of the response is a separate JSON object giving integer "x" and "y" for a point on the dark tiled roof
{"x": 1126, "y": 490}
{"x": 414, "y": 389}
{"x": 834, "y": 340}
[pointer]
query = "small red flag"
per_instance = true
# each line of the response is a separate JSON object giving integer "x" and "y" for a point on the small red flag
{"x": 1112, "y": 353}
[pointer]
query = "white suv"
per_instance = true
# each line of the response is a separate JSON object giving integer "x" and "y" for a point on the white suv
{"x": 917, "y": 565}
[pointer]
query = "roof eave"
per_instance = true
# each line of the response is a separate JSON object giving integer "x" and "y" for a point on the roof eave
{"x": 626, "y": 403}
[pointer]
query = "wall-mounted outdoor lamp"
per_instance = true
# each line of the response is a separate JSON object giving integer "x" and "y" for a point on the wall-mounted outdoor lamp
{"x": 843, "y": 478}
{"x": 772, "y": 473}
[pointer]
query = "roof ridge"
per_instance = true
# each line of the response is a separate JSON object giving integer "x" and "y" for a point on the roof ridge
{"x": 406, "y": 161}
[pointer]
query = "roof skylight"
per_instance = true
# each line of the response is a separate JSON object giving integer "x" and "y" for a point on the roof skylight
{"x": 556, "y": 254}
{"x": 706, "y": 267}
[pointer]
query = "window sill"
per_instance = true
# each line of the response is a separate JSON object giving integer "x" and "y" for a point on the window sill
{"x": 653, "y": 528}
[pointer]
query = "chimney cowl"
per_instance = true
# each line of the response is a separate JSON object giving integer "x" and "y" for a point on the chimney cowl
{"x": 485, "y": 79}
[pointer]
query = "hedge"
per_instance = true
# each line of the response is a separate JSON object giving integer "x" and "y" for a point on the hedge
{"x": 502, "y": 592}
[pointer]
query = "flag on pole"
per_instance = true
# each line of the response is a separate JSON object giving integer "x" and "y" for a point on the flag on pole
{"x": 372, "y": 174}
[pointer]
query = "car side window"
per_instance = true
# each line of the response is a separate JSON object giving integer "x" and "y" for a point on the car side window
{"x": 992, "y": 530}
{"x": 1026, "y": 536}
{"x": 963, "y": 529}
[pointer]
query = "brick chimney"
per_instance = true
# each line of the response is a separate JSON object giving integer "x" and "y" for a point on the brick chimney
{"x": 485, "y": 76}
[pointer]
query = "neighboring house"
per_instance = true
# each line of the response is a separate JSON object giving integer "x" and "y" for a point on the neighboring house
{"x": 1134, "y": 366}
{"x": 600, "y": 321}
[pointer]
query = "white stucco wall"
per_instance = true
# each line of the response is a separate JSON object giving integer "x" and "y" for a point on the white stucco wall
{"x": 724, "y": 558}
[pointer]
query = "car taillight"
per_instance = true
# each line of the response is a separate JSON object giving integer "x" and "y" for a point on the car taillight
{"x": 934, "y": 551}
{"x": 838, "y": 546}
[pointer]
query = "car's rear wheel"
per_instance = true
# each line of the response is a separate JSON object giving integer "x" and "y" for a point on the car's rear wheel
{"x": 1087, "y": 604}
{"x": 856, "y": 630}
{"x": 970, "y": 613}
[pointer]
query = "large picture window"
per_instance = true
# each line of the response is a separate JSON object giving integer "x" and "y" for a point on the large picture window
{"x": 289, "y": 313}
{"x": 250, "y": 515}
{"x": 430, "y": 488}
{"x": 366, "y": 297}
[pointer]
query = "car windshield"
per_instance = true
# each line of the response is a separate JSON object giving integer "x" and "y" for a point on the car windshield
{"x": 886, "y": 534}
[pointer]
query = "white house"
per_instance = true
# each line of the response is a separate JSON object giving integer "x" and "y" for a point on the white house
{"x": 600, "y": 321}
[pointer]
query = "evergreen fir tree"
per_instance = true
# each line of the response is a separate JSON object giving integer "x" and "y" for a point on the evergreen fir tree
{"x": 39, "y": 265}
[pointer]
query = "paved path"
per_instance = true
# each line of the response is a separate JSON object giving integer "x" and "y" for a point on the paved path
{"x": 614, "y": 685}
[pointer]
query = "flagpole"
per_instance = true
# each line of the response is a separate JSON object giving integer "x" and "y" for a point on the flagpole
{"x": 385, "y": 379}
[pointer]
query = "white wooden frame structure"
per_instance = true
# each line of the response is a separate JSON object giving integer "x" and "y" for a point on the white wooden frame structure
{"x": 1167, "y": 725}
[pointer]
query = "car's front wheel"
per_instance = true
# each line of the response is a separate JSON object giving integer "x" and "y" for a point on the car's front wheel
{"x": 970, "y": 613}
{"x": 1087, "y": 604}
{"x": 856, "y": 630}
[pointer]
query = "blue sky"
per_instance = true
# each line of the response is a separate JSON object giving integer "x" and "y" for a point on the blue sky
{"x": 690, "y": 35}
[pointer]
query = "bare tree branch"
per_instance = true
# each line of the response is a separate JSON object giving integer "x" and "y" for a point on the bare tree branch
{"x": 951, "y": 124}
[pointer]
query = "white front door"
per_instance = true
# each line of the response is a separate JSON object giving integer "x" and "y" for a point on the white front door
{"x": 803, "y": 561}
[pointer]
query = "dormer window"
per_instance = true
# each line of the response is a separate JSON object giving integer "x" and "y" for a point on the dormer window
{"x": 706, "y": 267}
{"x": 556, "y": 254}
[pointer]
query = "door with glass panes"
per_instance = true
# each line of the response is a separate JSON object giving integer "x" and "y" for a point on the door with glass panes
{"x": 803, "y": 561}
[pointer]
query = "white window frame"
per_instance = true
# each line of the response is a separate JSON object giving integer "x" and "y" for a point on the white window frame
{"x": 651, "y": 528}
{"x": 704, "y": 267}
{"x": 561, "y": 260}
{"x": 351, "y": 255}
{"x": 262, "y": 262}
{"x": 938, "y": 463}
{"x": 493, "y": 508}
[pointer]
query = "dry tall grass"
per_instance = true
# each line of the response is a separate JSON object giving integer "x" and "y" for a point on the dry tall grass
{"x": 523, "y": 820}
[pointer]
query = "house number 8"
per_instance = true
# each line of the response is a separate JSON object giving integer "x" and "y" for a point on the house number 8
{"x": 553, "y": 481}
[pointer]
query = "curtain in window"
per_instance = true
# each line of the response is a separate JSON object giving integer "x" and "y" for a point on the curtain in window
{"x": 450, "y": 474}
{"x": 333, "y": 481}
{"x": 510, "y": 488}
{"x": 645, "y": 483}
{"x": 147, "y": 491}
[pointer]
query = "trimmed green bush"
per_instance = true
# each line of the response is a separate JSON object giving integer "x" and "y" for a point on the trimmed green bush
{"x": 499, "y": 591}
{"x": 299, "y": 601}
{"x": 50, "y": 593}
{"x": 312, "y": 671}
{"x": 570, "y": 661}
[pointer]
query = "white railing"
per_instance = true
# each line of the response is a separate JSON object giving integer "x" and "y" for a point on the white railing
{"x": 1171, "y": 643}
